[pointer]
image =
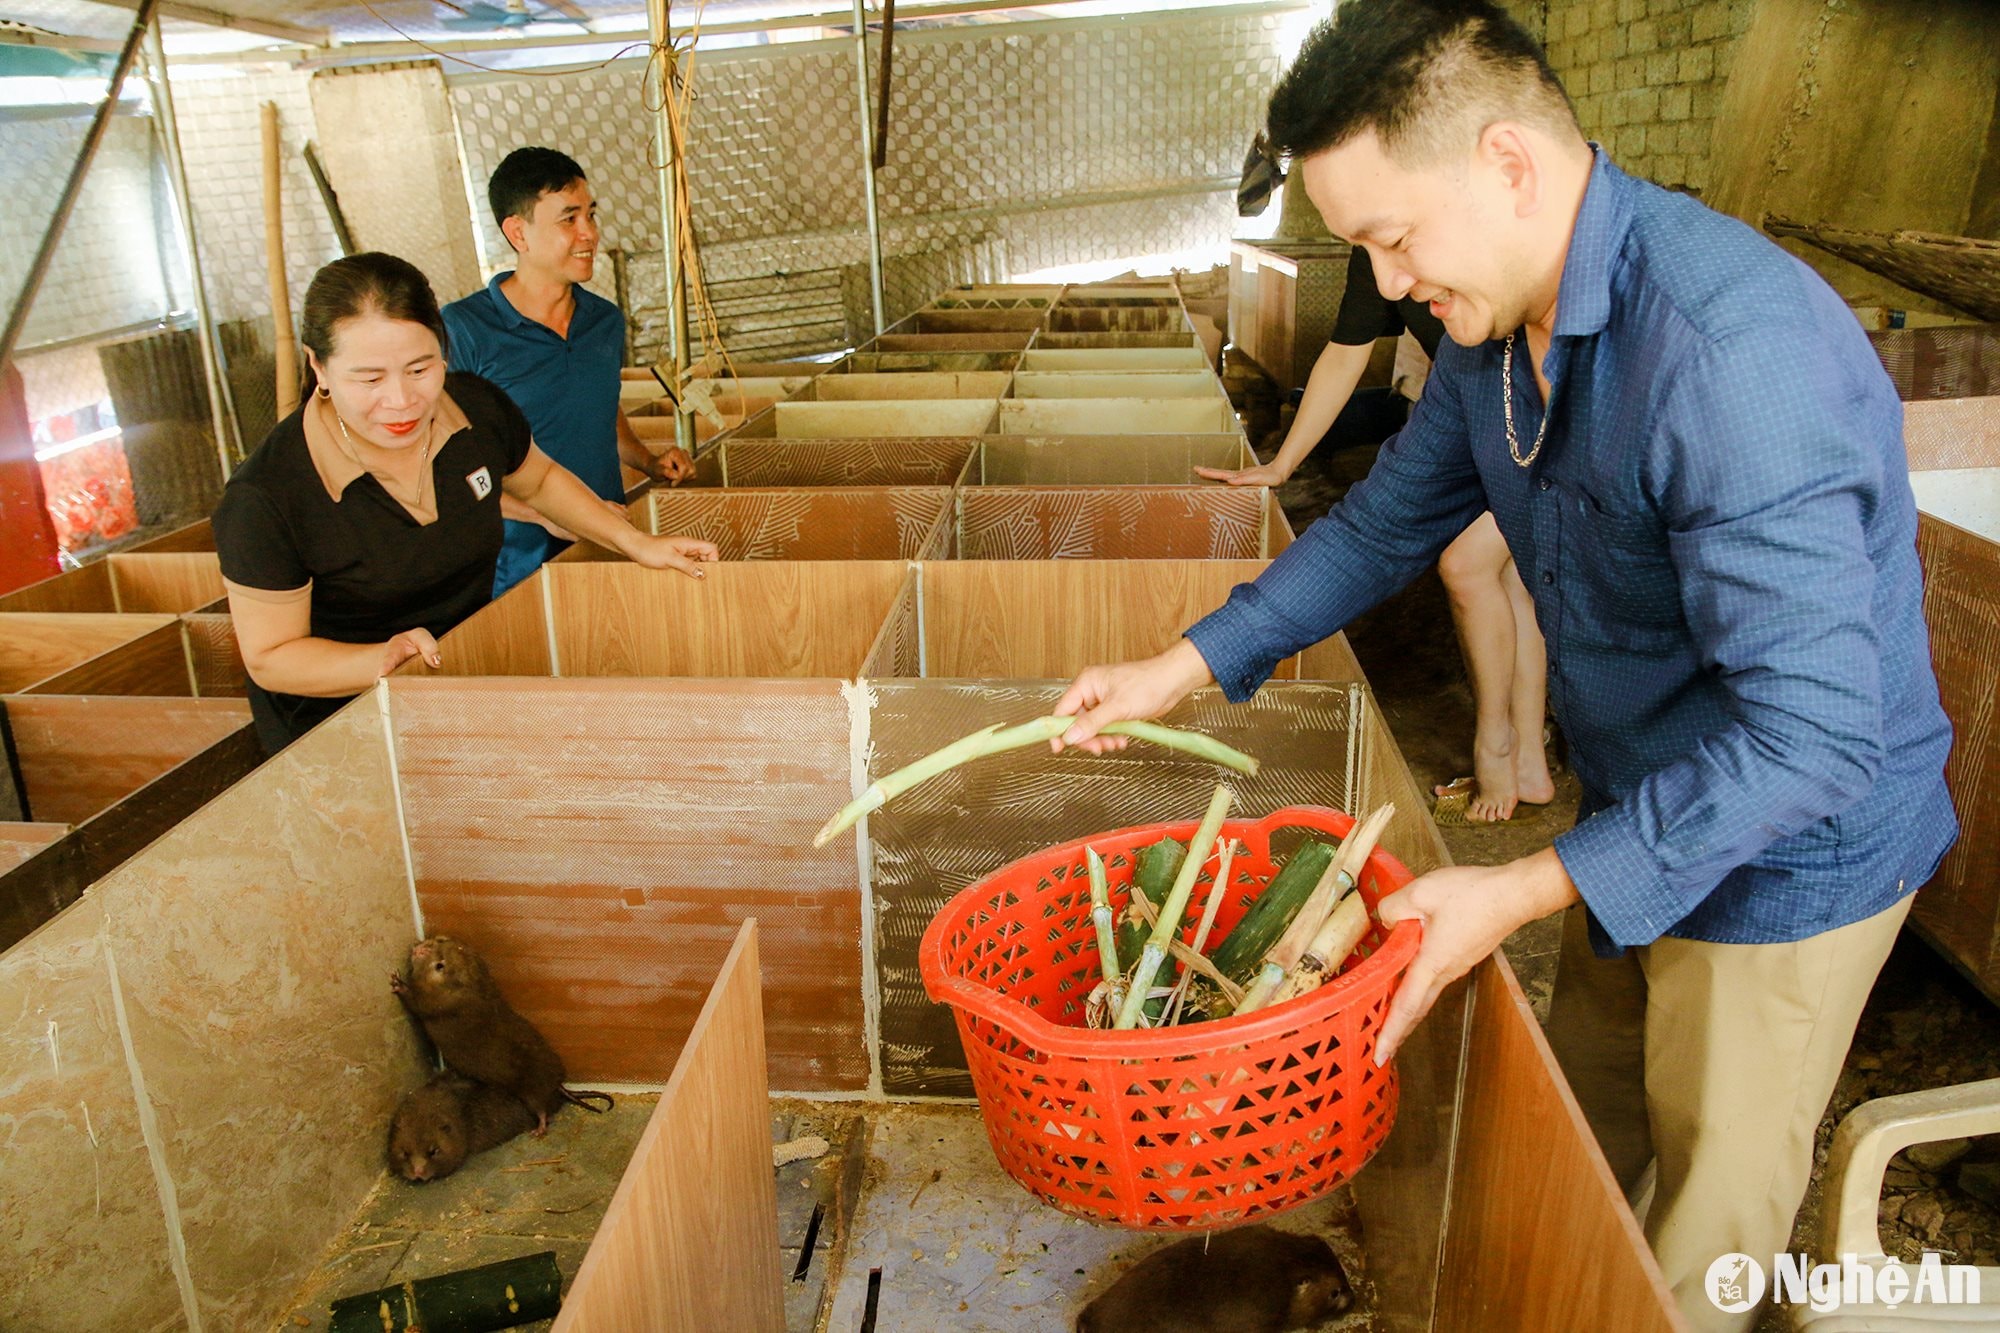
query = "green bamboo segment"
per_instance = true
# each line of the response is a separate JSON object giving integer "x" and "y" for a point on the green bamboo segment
{"x": 1151, "y": 880}
{"x": 995, "y": 739}
{"x": 1216, "y": 891}
{"x": 1260, "y": 927}
{"x": 1199, "y": 848}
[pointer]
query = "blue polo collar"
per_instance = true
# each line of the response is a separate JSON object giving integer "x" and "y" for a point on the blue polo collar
{"x": 509, "y": 316}
{"x": 1583, "y": 301}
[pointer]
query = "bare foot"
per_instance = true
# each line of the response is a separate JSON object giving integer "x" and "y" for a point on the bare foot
{"x": 1494, "y": 793}
{"x": 1532, "y": 782}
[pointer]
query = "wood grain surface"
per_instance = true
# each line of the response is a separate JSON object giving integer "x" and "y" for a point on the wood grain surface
{"x": 80, "y": 755}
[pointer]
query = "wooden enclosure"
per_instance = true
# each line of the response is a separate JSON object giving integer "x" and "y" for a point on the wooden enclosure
{"x": 145, "y": 583}
{"x": 1117, "y": 383}
{"x": 88, "y": 653}
{"x": 616, "y": 769}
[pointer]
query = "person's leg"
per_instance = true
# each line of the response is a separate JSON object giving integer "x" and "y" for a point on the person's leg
{"x": 1528, "y": 706}
{"x": 1471, "y": 568}
{"x": 1596, "y": 1028}
{"x": 1743, "y": 1045}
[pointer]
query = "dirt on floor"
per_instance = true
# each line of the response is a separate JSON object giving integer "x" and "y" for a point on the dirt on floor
{"x": 1925, "y": 1026}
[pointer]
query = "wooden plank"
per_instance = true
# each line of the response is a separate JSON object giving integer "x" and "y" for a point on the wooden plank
{"x": 509, "y": 636}
{"x": 905, "y": 461}
{"x": 79, "y": 756}
{"x": 973, "y": 321}
{"x": 1027, "y": 620}
{"x": 1532, "y": 1196}
{"x": 88, "y": 589}
{"x": 1116, "y": 416}
{"x": 1114, "y": 358}
{"x": 1106, "y": 460}
{"x": 1058, "y": 340}
{"x": 919, "y": 417}
{"x": 154, "y": 663}
{"x": 862, "y": 387}
{"x": 690, "y": 1240}
{"x": 1278, "y": 533}
{"x": 1110, "y": 523}
{"x": 19, "y": 841}
{"x": 821, "y": 523}
{"x": 167, "y": 583}
{"x": 36, "y": 647}
{"x": 1117, "y": 384}
{"x": 950, "y": 342}
{"x": 787, "y": 619}
{"x": 896, "y": 363}
{"x": 1117, "y": 319}
{"x": 1959, "y": 910}
{"x": 214, "y": 656}
{"x": 599, "y": 841}
{"x": 196, "y": 536}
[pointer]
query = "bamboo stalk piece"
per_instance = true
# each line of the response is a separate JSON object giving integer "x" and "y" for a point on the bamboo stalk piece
{"x": 1164, "y": 929}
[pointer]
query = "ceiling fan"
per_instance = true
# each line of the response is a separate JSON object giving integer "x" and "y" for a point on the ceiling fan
{"x": 480, "y": 16}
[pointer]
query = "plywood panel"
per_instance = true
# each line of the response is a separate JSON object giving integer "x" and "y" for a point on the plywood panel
{"x": 1114, "y": 358}
{"x": 690, "y": 1241}
{"x": 600, "y": 842}
{"x": 908, "y": 461}
{"x": 19, "y": 841}
{"x": 1008, "y": 620}
{"x": 1117, "y": 523}
{"x": 197, "y": 536}
{"x": 1106, "y": 460}
{"x": 1960, "y": 908}
{"x": 167, "y": 583}
{"x": 1116, "y": 319}
{"x": 78, "y": 756}
{"x": 1115, "y": 416}
{"x": 748, "y": 619}
{"x": 1059, "y": 340}
{"x": 1199, "y": 383}
{"x": 821, "y": 523}
{"x": 889, "y": 363}
{"x": 973, "y": 321}
{"x": 214, "y": 655}
{"x": 1531, "y": 1195}
{"x": 83, "y": 1235}
{"x": 898, "y": 649}
{"x": 657, "y": 432}
{"x": 509, "y": 636}
{"x": 927, "y": 417}
{"x": 85, "y": 589}
{"x": 154, "y": 663}
{"x": 860, "y": 387}
{"x": 36, "y": 648}
{"x": 936, "y": 839}
{"x": 950, "y": 342}
{"x": 253, "y": 945}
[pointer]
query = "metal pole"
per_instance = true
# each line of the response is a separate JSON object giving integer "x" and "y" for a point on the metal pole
{"x": 868, "y": 161}
{"x": 17, "y": 318}
{"x": 221, "y": 402}
{"x": 670, "y": 226}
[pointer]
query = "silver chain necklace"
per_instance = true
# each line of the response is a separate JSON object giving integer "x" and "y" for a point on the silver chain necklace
{"x": 423, "y": 463}
{"x": 1507, "y": 406}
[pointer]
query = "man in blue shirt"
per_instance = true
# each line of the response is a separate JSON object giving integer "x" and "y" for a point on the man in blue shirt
{"x": 554, "y": 347}
{"x": 1698, "y": 465}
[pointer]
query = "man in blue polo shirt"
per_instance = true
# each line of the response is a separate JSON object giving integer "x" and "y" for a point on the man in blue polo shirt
{"x": 1697, "y": 462}
{"x": 554, "y": 347}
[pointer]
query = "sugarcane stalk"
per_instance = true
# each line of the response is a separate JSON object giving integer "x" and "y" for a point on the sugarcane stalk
{"x": 1342, "y": 875}
{"x": 1164, "y": 929}
{"x": 1216, "y": 889}
{"x": 1344, "y": 927}
{"x": 1107, "y": 939}
{"x": 996, "y": 739}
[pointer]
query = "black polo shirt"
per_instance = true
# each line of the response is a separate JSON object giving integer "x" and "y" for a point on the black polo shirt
{"x": 374, "y": 570}
{"x": 1366, "y": 314}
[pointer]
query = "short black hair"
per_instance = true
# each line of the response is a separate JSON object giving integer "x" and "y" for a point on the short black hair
{"x": 1425, "y": 75}
{"x": 523, "y": 177}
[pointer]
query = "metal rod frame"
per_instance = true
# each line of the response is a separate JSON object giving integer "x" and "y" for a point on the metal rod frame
{"x": 31, "y": 285}
{"x": 868, "y": 162}
{"x": 221, "y": 401}
{"x": 659, "y": 25}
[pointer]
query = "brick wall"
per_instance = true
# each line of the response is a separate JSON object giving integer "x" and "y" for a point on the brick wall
{"x": 1647, "y": 77}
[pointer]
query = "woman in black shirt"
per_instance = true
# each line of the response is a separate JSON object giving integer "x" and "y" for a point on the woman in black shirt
{"x": 367, "y": 524}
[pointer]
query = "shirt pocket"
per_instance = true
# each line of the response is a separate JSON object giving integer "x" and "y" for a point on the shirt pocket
{"x": 1622, "y": 558}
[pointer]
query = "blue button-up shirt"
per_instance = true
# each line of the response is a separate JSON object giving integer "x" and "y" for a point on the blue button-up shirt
{"x": 1720, "y": 540}
{"x": 566, "y": 387}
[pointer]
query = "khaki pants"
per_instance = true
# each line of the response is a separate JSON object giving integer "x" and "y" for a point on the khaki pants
{"x": 1716, "y": 1061}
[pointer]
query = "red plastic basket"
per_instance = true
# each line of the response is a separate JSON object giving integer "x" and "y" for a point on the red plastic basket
{"x": 1175, "y": 1129}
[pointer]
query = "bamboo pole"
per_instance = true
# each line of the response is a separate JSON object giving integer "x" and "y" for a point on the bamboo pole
{"x": 282, "y": 346}
{"x": 1200, "y": 848}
